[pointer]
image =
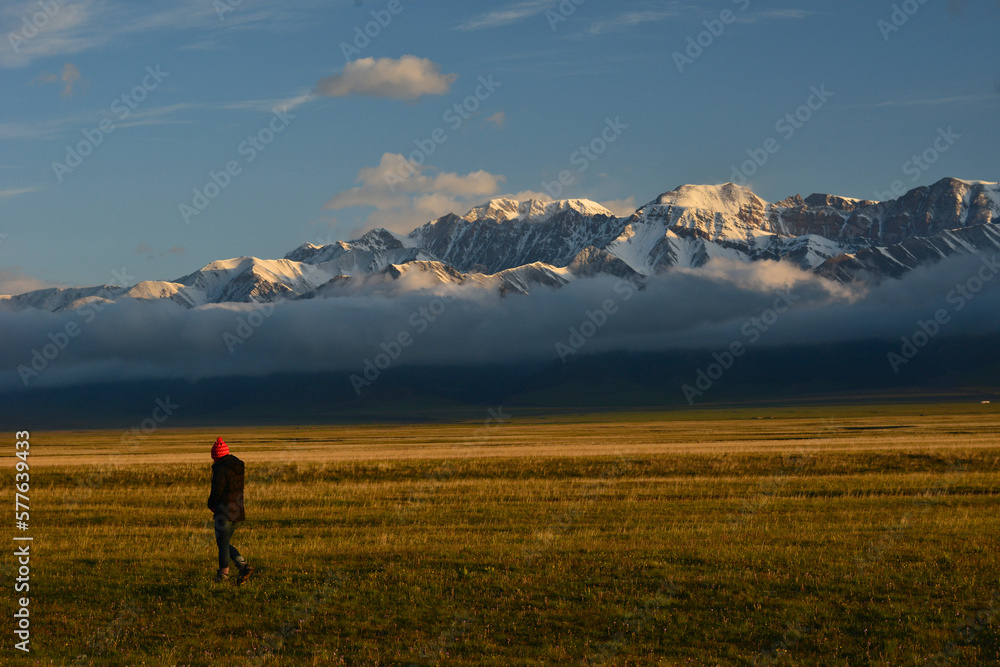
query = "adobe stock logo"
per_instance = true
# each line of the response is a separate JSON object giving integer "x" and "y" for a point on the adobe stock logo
{"x": 31, "y": 26}
{"x": 917, "y": 165}
{"x": 121, "y": 109}
{"x": 714, "y": 28}
{"x": 363, "y": 36}
{"x": 455, "y": 116}
{"x": 587, "y": 329}
{"x": 899, "y": 17}
{"x": 57, "y": 342}
{"x": 786, "y": 126}
{"x": 562, "y": 13}
{"x": 586, "y": 155}
{"x": 958, "y": 297}
{"x": 753, "y": 330}
{"x": 393, "y": 348}
{"x": 247, "y": 326}
{"x": 250, "y": 149}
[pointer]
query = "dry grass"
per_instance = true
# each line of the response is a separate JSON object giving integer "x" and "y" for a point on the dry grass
{"x": 820, "y": 537}
{"x": 899, "y": 428}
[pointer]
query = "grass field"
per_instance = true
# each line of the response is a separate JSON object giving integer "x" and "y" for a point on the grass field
{"x": 808, "y": 536}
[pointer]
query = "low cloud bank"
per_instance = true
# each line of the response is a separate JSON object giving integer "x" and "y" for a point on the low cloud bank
{"x": 762, "y": 304}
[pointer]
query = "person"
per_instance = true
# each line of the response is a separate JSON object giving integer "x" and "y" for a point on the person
{"x": 226, "y": 503}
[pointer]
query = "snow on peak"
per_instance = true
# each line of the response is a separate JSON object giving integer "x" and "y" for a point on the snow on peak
{"x": 222, "y": 271}
{"x": 236, "y": 263}
{"x": 962, "y": 180}
{"x": 154, "y": 289}
{"x": 532, "y": 210}
{"x": 726, "y": 198}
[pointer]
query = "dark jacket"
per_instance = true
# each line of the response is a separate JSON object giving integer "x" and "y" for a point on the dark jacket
{"x": 227, "y": 488}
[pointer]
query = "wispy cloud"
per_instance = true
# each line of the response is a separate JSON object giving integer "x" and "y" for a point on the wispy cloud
{"x": 87, "y": 25}
{"x": 507, "y": 15}
{"x": 55, "y": 127}
{"x": 171, "y": 114}
{"x": 767, "y": 14}
{"x": 662, "y": 11}
{"x": 937, "y": 101}
{"x": 72, "y": 29}
{"x": 31, "y": 129}
{"x": 627, "y": 21}
{"x": 13, "y": 192}
{"x": 269, "y": 105}
{"x": 159, "y": 116}
{"x": 764, "y": 15}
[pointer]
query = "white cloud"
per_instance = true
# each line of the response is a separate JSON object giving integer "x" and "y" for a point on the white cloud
{"x": 405, "y": 196}
{"x": 69, "y": 75}
{"x": 508, "y": 15}
{"x": 685, "y": 309}
{"x": 408, "y": 78}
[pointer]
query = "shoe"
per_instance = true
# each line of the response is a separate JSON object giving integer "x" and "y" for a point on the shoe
{"x": 221, "y": 577}
{"x": 245, "y": 573}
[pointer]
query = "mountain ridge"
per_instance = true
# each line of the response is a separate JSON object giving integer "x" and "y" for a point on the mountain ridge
{"x": 515, "y": 247}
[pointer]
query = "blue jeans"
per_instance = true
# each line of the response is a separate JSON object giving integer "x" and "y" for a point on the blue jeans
{"x": 223, "y": 534}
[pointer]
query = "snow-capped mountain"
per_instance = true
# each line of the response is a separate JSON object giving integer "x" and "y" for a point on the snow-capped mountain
{"x": 532, "y": 210}
{"x": 692, "y": 224}
{"x": 516, "y": 247}
{"x": 491, "y": 244}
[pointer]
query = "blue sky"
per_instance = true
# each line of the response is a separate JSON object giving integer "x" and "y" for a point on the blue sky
{"x": 200, "y": 77}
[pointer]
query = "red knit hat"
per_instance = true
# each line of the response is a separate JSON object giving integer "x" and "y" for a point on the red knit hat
{"x": 219, "y": 449}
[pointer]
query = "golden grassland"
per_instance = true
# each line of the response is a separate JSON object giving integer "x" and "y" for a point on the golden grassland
{"x": 814, "y": 536}
{"x": 841, "y": 428}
